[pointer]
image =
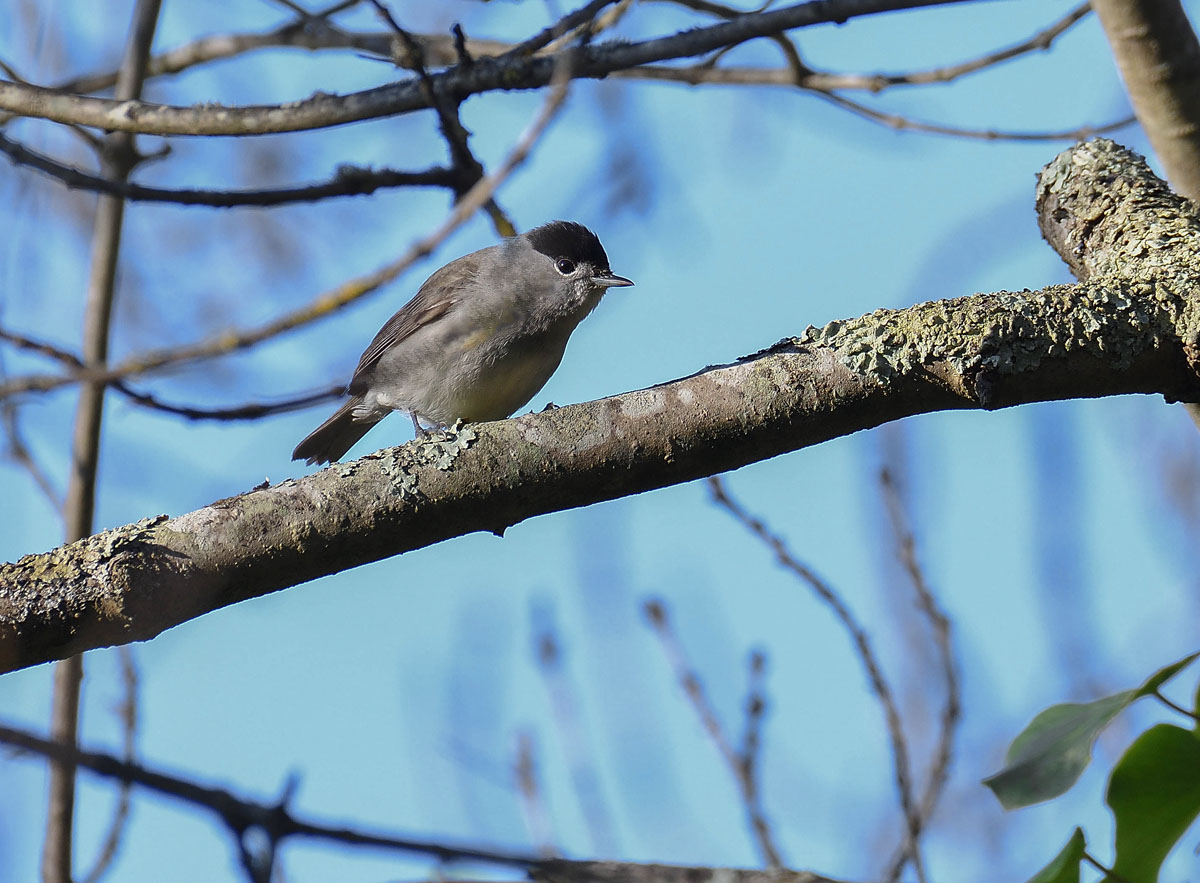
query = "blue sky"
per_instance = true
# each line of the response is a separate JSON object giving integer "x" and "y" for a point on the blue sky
{"x": 398, "y": 692}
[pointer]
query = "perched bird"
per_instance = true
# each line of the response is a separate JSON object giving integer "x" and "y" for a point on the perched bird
{"x": 479, "y": 339}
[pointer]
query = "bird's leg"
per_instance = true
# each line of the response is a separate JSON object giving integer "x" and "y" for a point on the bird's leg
{"x": 422, "y": 432}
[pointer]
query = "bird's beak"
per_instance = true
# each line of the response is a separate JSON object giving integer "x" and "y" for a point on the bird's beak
{"x": 610, "y": 280}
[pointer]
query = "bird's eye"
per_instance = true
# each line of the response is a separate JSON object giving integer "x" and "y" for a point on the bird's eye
{"x": 565, "y": 267}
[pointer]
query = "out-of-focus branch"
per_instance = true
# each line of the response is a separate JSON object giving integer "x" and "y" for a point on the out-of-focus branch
{"x": 487, "y": 74}
{"x": 242, "y": 815}
{"x": 330, "y": 302}
{"x": 118, "y": 157}
{"x": 939, "y": 622}
{"x": 537, "y": 819}
{"x": 276, "y": 821}
{"x": 574, "y": 737}
{"x": 741, "y": 763}
{"x": 903, "y": 123}
{"x": 901, "y": 765}
{"x": 19, "y": 451}
{"x": 244, "y": 411}
{"x": 561, "y": 871}
{"x": 346, "y": 181}
{"x": 128, "y": 711}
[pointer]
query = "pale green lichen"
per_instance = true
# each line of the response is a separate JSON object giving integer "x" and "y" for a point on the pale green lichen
{"x": 1005, "y": 332}
{"x": 439, "y": 449}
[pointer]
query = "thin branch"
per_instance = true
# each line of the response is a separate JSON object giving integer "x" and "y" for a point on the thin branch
{"x": 568, "y": 22}
{"x": 901, "y": 764}
{"x": 322, "y": 111}
{"x": 902, "y": 123}
{"x": 128, "y": 712}
{"x": 532, "y": 800}
{"x": 239, "y": 814}
{"x": 19, "y": 451}
{"x": 468, "y": 170}
{"x": 316, "y": 34}
{"x": 741, "y": 765}
{"x": 940, "y": 624}
{"x": 244, "y": 411}
{"x": 829, "y": 81}
{"x": 118, "y": 158}
{"x": 574, "y": 736}
{"x": 313, "y": 36}
{"x": 328, "y": 303}
{"x": 347, "y": 181}
{"x": 748, "y": 757}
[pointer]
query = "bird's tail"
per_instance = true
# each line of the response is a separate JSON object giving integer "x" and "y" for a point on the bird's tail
{"x": 329, "y": 441}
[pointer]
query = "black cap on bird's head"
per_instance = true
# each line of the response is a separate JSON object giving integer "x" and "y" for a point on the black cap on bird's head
{"x": 566, "y": 241}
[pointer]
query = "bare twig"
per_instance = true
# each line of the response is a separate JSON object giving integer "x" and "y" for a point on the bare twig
{"x": 830, "y": 81}
{"x": 330, "y": 302}
{"x": 940, "y": 624}
{"x": 756, "y": 708}
{"x": 19, "y": 451}
{"x": 317, "y": 34}
{"x": 446, "y": 103}
{"x": 244, "y": 411}
{"x": 573, "y": 736}
{"x": 741, "y": 765}
{"x": 901, "y": 764}
{"x": 128, "y": 712}
{"x": 902, "y": 123}
{"x": 118, "y": 158}
{"x": 312, "y": 35}
{"x": 580, "y": 16}
{"x": 538, "y": 820}
{"x": 347, "y": 181}
{"x": 241, "y": 815}
{"x": 322, "y": 111}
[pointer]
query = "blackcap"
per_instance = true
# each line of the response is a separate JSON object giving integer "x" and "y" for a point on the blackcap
{"x": 479, "y": 339}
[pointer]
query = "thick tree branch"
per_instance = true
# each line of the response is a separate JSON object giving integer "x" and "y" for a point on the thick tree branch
{"x": 1158, "y": 54}
{"x": 486, "y": 74}
{"x": 1131, "y": 327}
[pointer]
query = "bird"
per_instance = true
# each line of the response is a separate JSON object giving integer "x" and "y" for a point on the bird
{"x": 478, "y": 340}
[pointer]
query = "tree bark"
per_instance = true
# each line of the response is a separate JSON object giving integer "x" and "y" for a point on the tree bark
{"x": 1158, "y": 55}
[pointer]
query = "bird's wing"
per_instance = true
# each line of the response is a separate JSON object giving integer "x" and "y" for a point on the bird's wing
{"x": 438, "y": 296}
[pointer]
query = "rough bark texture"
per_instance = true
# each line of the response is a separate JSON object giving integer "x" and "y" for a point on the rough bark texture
{"x": 1158, "y": 54}
{"x": 1130, "y": 327}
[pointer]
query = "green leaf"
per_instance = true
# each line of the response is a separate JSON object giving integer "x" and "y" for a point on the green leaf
{"x": 1065, "y": 867}
{"x": 1154, "y": 793}
{"x": 1050, "y": 754}
{"x": 1054, "y": 750}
